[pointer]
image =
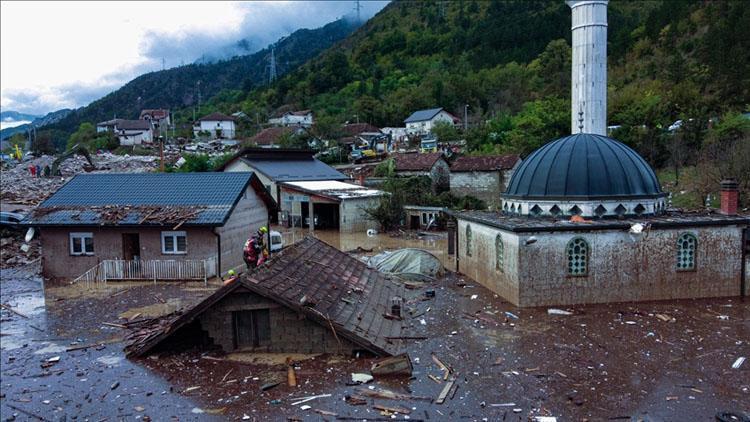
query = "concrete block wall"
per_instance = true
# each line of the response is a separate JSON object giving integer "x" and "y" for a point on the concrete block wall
{"x": 353, "y": 218}
{"x": 290, "y": 332}
{"x": 248, "y": 216}
{"x": 485, "y": 185}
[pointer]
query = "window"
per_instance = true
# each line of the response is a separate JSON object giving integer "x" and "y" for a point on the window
{"x": 578, "y": 257}
{"x": 173, "y": 242}
{"x": 686, "y": 245}
{"x": 499, "y": 252}
{"x": 81, "y": 243}
{"x": 468, "y": 240}
{"x": 251, "y": 328}
{"x": 424, "y": 218}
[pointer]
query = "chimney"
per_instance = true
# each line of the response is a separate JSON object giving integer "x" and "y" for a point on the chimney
{"x": 588, "y": 92}
{"x": 730, "y": 196}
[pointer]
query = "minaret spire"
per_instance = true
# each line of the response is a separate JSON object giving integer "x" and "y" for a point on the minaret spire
{"x": 589, "y": 69}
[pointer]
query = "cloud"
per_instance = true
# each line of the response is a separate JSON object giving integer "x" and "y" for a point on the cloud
{"x": 261, "y": 23}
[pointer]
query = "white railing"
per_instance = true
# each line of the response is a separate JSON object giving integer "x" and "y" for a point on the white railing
{"x": 150, "y": 270}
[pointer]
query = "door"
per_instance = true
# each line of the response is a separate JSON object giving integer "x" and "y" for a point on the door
{"x": 414, "y": 223}
{"x": 131, "y": 246}
{"x": 251, "y": 328}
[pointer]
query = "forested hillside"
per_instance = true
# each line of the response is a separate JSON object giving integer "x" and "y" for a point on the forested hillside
{"x": 185, "y": 86}
{"x": 510, "y": 62}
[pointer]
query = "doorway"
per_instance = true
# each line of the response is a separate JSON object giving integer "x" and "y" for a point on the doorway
{"x": 414, "y": 222}
{"x": 131, "y": 246}
{"x": 252, "y": 329}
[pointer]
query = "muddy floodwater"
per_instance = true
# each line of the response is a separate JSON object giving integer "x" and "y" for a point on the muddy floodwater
{"x": 62, "y": 358}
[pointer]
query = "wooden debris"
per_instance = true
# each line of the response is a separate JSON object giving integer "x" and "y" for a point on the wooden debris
{"x": 325, "y": 412}
{"x": 6, "y": 307}
{"x": 391, "y": 410}
{"x": 443, "y": 394}
{"x": 394, "y": 365}
{"x": 355, "y": 400}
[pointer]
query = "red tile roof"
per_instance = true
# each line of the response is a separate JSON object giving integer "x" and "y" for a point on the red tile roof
{"x": 271, "y": 135}
{"x": 157, "y": 113}
{"x": 485, "y": 163}
{"x": 414, "y": 161}
{"x": 216, "y": 116}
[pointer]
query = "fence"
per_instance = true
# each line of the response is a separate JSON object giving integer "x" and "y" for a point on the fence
{"x": 151, "y": 270}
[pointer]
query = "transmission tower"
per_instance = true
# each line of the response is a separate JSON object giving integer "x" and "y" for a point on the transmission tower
{"x": 358, "y": 8}
{"x": 272, "y": 66}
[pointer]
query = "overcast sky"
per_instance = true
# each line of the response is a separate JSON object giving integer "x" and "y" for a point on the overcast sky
{"x": 66, "y": 54}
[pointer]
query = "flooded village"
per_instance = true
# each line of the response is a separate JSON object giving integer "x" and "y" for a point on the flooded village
{"x": 384, "y": 273}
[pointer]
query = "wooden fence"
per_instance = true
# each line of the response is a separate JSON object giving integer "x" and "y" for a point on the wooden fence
{"x": 150, "y": 270}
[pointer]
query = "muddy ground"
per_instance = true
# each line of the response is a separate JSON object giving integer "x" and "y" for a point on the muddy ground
{"x": 604, "y": 362}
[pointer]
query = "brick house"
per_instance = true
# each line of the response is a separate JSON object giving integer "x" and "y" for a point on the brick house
{"x": 483, "y": 177}
{"x": 149, "y": 219}
{"x": 309, "y": 298}
{"x": 432, "y": 165}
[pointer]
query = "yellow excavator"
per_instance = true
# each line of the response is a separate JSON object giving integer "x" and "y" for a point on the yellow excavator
{"x": 76, "y": 149}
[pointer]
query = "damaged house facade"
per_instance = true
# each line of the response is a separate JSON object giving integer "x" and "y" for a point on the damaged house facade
{"x": 309, "y": 298}
{"x": 149, "y": 224}
{"x": 584, "y": 219}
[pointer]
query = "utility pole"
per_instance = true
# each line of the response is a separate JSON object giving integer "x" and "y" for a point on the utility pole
{"x": 466, "y": 118}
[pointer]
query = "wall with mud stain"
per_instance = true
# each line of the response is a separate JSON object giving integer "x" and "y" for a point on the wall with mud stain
{"x": 248, "y": 216}
{"x": 352, "y": 215}
{"x": 621, "y": 267}
{"x": 57, "y": 262}
{"x": 482, "y": 265}
{"x": 290, "y": 331}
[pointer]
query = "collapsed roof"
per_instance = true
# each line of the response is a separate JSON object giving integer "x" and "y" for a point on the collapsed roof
{"x": 318, "y": 281}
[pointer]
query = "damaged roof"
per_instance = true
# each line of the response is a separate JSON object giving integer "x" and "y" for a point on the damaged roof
{"x": 333, "y": 189}
{"x": 485, "y": 163}
{"x": 147, "y": 198}
{"x": 317, "y": 280}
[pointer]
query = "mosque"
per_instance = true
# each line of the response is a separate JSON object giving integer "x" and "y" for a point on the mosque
{"x": 584, "y": 218}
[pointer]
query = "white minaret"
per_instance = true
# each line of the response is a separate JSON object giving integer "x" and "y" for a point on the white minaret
{"x": 589, "y": 70}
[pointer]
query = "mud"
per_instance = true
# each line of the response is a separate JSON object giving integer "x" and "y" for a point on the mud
{"x": 604, "y": 362}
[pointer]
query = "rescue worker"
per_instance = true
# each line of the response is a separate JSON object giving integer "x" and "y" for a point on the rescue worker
{"x": 255, "y": 251}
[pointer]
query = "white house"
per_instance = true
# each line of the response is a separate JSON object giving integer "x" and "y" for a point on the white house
{"x": 421, "y": 122}
{"x": 290, "y": 118}
{"x": 218, "y": 125}
{"x": 107, "y": 126}
{"x": 134, "y": 132}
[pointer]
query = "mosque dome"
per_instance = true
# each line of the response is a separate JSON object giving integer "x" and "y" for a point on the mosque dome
{"x": 585, "y": 174}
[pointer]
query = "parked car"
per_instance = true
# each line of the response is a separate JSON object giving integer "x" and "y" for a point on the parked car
{"x": 277, "y": 241}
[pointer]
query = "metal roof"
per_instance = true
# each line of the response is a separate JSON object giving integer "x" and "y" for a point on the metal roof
{"x": 207, "y": 198}
{"x": 423, "y": 115}
{"x": 584, "y": 166}
{"x": 294, "y": 170}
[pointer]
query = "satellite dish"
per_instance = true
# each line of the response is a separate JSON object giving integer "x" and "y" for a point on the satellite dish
{"x": 29, "y": 234}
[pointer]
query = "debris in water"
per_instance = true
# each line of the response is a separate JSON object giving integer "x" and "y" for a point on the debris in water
{"x": 553, "y": 311}
{"x": 738, "y": 362}
{"x": 361, "y": 378}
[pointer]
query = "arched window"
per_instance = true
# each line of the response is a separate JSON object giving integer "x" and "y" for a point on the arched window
{"x": 686, "y": 246}
{"x": 468, "y": 240}
{"x": 578, "y": 257}
{"x": 499, "y": 253}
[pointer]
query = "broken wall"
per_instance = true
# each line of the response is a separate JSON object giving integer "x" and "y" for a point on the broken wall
{"x": 290, "y": 332}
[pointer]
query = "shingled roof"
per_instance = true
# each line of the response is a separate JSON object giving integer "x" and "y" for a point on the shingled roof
{"x": 317, "y": 280}
{"x": 485, "y": 163}
{"x": 195, "y": 199}
{"x": 414, "y": 161}
{"x": 271, "y": 135}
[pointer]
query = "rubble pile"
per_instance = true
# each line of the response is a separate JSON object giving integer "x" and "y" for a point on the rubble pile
{"x": 19, "y": 187}
{"x": 11, "y": 254}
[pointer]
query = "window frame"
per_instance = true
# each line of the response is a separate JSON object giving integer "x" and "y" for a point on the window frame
{"x": 680, "y": 238}
{"x": 174, "y": 235}
{"x": 83, "y": 236}
{"x": 587, "y": 257}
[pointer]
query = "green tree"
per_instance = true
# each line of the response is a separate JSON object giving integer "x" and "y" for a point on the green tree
{"x": 445, "y": 132}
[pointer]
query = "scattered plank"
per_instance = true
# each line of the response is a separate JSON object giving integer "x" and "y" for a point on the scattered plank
{"x": 26, "y": 412}
{"x": 443, "y": 394}
{"x": 7, "y": 307}
{"x": 397, "y": 409}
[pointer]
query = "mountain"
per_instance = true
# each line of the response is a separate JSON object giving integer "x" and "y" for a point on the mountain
{"x": 47, "y": 119}
{"x": 509, "y": 61}
{"x": 189, "y": 85}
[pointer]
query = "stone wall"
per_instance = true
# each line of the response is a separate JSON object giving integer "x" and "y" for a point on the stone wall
{"x": 57, "y": 261}
{"x": 622, "y": 267}
{"x": 485, "y": 185}
{"x": 290, "y": 331}
{"x": 248, "y": 216}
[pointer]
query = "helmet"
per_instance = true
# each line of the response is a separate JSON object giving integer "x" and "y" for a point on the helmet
{"x": 231, "y": 273}
{"x": 263, "y": 230}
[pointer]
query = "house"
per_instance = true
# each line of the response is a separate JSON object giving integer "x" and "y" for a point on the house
{"x": 271, "y": 136}
{"x": 134, "y": 132}
{"x": 293, "y": 118}
{"x": 483, "y": 177}
{"x": 151, "y": 219}
{"x": 216, "y": 125}
{"x": 160, "y": 118}
{"x": 432, "y": 165}
{"x": 107, "y": 126}
{"x": 421, "y": 122}
{"x": 584, "y": 219}
{"x": 309, "y": 298}
{"x": 329, "y": 204}
{"x": 420, "y": 217}
{"x": 278, "y": 165}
